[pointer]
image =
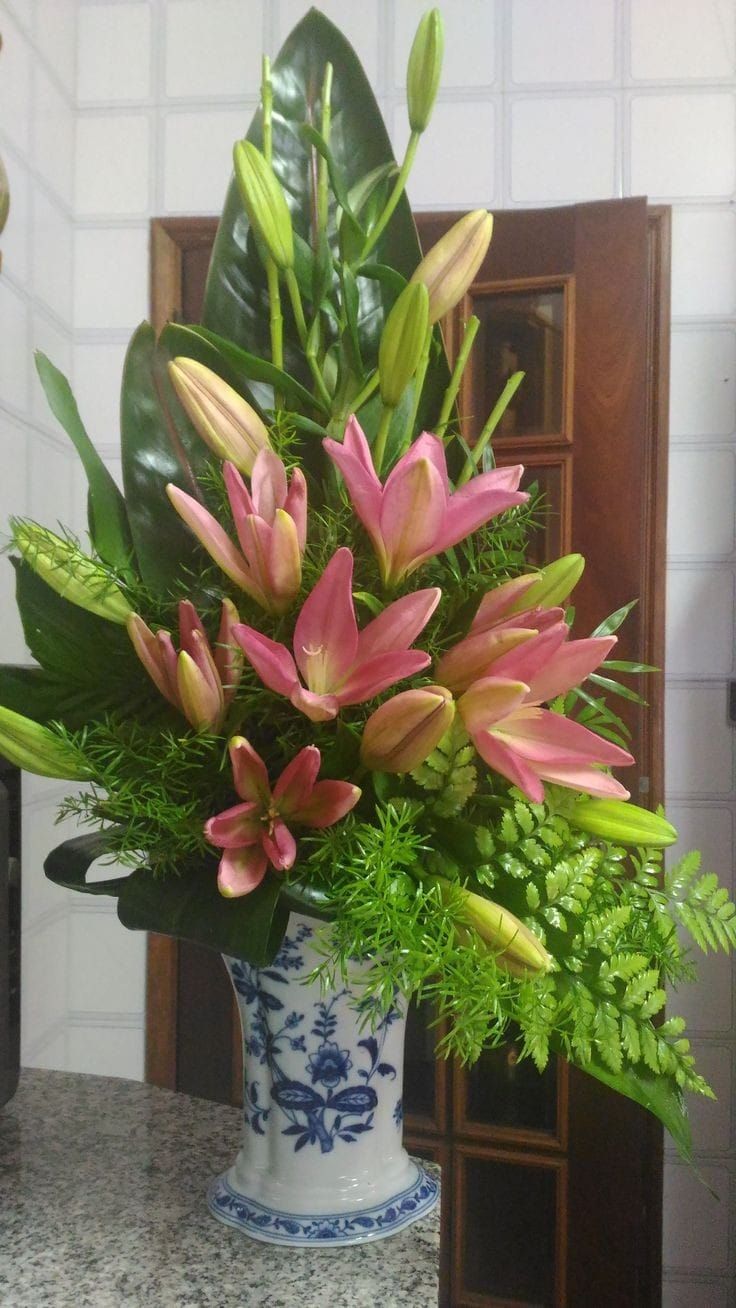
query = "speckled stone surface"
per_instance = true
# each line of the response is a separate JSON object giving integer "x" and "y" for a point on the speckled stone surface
{"x": 102, "y": 1205}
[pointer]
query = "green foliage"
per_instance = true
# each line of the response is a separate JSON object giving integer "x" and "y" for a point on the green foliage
{"x": 702, "y": 905}
{"x": 450, "y": 771}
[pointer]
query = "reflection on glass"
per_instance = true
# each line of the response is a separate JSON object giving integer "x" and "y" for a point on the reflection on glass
{"x": 521, "y": 330}
{"x": 504, "y": 1090}
{"x": 419, "y": 1062}
{"x": 544, "y": 483}
{"x": 508, "y": 1233}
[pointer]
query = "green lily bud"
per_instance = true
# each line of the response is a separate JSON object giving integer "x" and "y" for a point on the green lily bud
{"x": 31, "y": 746}
{"x": 425, "y": 67}
{"x": 225, "y": 421}
{"x": 622, "y": 823}
{"x": 517, "y": 948}
{"x": 553, "y": 585}
{"x": 449, "y": 268}
{"x": 402, "y": 733}
{"x": 265, "y": 203}
{"x": 69, "y": 572}
{"x": 402, "y": 342}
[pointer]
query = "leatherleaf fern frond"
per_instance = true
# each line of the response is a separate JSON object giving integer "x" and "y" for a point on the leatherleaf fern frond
{"x": 450, "y": 771}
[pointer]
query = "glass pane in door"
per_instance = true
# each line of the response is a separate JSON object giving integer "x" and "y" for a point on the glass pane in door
{"x": 505, "y": 1091}
{"x": 419, "y": 1067}
{"x": 524, "y": 331}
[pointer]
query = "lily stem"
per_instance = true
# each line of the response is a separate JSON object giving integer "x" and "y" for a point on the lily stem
{"x": 393, "y": 199}
{"x": 419, "y": 377}
{"x": 450, "y": 395}
{"x": 304, "y": 337}
{"x": 323, "y": 197}
{"x": 379, "y": 448}
{"x": 490, "y": 425}
{"x": 365, "y": 394}
{"x": 276, "y": 321}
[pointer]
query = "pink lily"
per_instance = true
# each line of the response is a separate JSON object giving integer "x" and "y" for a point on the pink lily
{"x": 414, "y": 515}
{"x": 528, "y": 744}
{"x": 501, "y": 624}
{"x": 254, "y": 833}
{"x": 271, "y": 524}
{"x": 201, "y": 685}
{"x": 339, "y": 664}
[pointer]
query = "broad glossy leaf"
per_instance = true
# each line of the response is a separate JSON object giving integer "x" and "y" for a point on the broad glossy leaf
{"x": 68, "y": 865}
{"x": 655, "y": 1093}
{"x": 108, "y": 520}
{"x": 240, "y": 367}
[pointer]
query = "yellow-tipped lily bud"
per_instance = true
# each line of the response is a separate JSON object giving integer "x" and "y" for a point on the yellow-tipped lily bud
{"x": 553, "y": 585}
{"x": 402, "y": 342}
{"x": 516, "y": 947}
{"x": 69, "y": 572}
{"x": 225, "y": 421}
{"x": 425, "y": 67}
{"x": 621, "y": 823}
{"x": 31, "y": 746}
{"x": 402, "y": 733}
{"x": 265, "y": 203}
{"x": 449, "y": 268}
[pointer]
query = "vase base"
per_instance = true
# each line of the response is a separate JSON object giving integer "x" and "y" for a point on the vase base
{"x": 356, "y": 1226}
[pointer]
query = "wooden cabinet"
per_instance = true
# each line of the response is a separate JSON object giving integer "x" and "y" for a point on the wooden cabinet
{"x": 551, "y": 1184}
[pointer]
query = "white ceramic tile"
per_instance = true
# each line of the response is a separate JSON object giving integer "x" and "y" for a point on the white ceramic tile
{"x": 687, "y": 38}
{"x": 568, "y": 41}
{"x": 106, "y": 965}
{"x": 198, "y": 158}
{"x": 696, "y": 1224}
{"x": 14, "y": 242}
{"x": 12, "y": 501}
{"x": 707, "y": 1003}
{"x": 701, "y": 503}
{"x": 43, "y": 981}
{"x": 466, "y": 62}
{"x": 704, "y": 262}
{"x": 455, "y": 163}
{"x": 56, "y": 37}
{"x": 711, "y": 1119}
{"x": 57, "y": 345}
{"x": 357, "y": 22}
{"x": 708, "y": 829}
{"x": 114, "y": 52}
{"x": 703, "y": 382}
{"x": 111, "y": 282}
{"x": 53, "y": 140}
{"x": 696, "y": 1294}
{"x": 563, "y": 149}
{"x": 112, "y": 164}
{"x": 700, "y": 741}
{"x": 15, "y": 85}
{"x": 52, "y": 255}
{"x": 683, "y": 145}
{"x": 700, "y": 623}
{"x": 215, "y": 49}
{"x": 51, "y": 1054}
{"x": 98, "y": 370}
{"x": 105, "y": 1051}
{"x": 14, "y": 355}
{"x": 49, "y": 483}
{"x": 40, "y": 835}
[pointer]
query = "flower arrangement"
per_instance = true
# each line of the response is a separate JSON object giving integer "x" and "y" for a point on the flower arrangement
{"x": 303, "y": 663}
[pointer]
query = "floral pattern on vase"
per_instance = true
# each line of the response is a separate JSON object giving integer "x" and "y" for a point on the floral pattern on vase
{"x": 322, "y": 1117}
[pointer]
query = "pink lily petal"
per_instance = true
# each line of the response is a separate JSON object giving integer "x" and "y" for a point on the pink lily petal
{"x": 280, "y": 846}
{"x": 189, "y": 622}
{"x": 228, "y": 655}
{"x": 399, "y": 624}
{"x": 587, "y": 779}
{"x": 569, "y": 666}
{"x": 296, "y": 505}
{"x": 202, "y": 701}
{"x": 506, "y": 478}
{"x": 296, "y": 782}
{"x": 216, "y": 541}
{"x": 542, "y": 737}
{"x": 167, "y": 657}
{"x": 502, "y": 759}
{"x": 241, "y": 870}
{"x": 272, "y": 662}
{"x": 326, "y": 633}
{"x": 475, "y": 656}
{"x": 468, "y": 509}
{"x": 268, "y": 484}
{"x": 236, "y": 827}
{"x": 249, "y": 772}
{"x": 526, "y": 661}
{"x": 284, "y": 559}
{"x": 241, "y": 503}
{"x": 353, "y": 458}
{"x": 496, "y": 603}
{"x": 488, "y": 701}
{"x": 328, "y": 802}
{"x": 149, "y": 651}
{"x": 318, "y": 708}
{"x": 378, "y": 673}
{"x": 412, "y": 513}
{"x": 428, "y": 447}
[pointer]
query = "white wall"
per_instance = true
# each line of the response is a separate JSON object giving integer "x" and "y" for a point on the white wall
{"x": 543, "y": 102}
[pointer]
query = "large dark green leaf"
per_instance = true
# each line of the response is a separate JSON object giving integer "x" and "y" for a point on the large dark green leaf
{"x": 238, "y": 367}
{"x": 68, "y": 865}
{"x": 108, "y": 520}
{"x": 159, "y": 445}
{"x": 658, "y": 1094}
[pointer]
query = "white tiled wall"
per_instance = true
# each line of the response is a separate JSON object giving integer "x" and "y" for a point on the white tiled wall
{"x": 543, "y": 102}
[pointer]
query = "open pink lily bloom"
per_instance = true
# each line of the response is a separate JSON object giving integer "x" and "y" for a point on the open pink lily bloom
{"x": 334, "y": 664}
{"x": 196, "y": 681}
{"x": 529, "y": 744}
{"x": 494, "y": 631}
{"x": 254, "y": 833}
{"x": 414, "y": 515}
{"x": 271, "y": 523}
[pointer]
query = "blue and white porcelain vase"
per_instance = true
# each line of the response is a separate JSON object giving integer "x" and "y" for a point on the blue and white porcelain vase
{"x": 322, "y": 1160}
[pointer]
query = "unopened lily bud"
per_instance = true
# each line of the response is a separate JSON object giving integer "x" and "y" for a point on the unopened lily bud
{"x": 69, "y": 572}
{"x": 425, "y": 67}
{"x": 225, "y": 421}
{"x": 265, "y": 203}
{"x": 402, "y": 342}
{"x": 516, "y": 947}
{"x": 449, "y": 268}
{"x": 621, "y": 823}
{"x": 31, "y": 746}
{"x": 553, "y": 585}
{"x": 402, "y": 733}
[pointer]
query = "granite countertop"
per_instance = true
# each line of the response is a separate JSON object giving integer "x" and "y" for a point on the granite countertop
{"x": 102, "y": 1205}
